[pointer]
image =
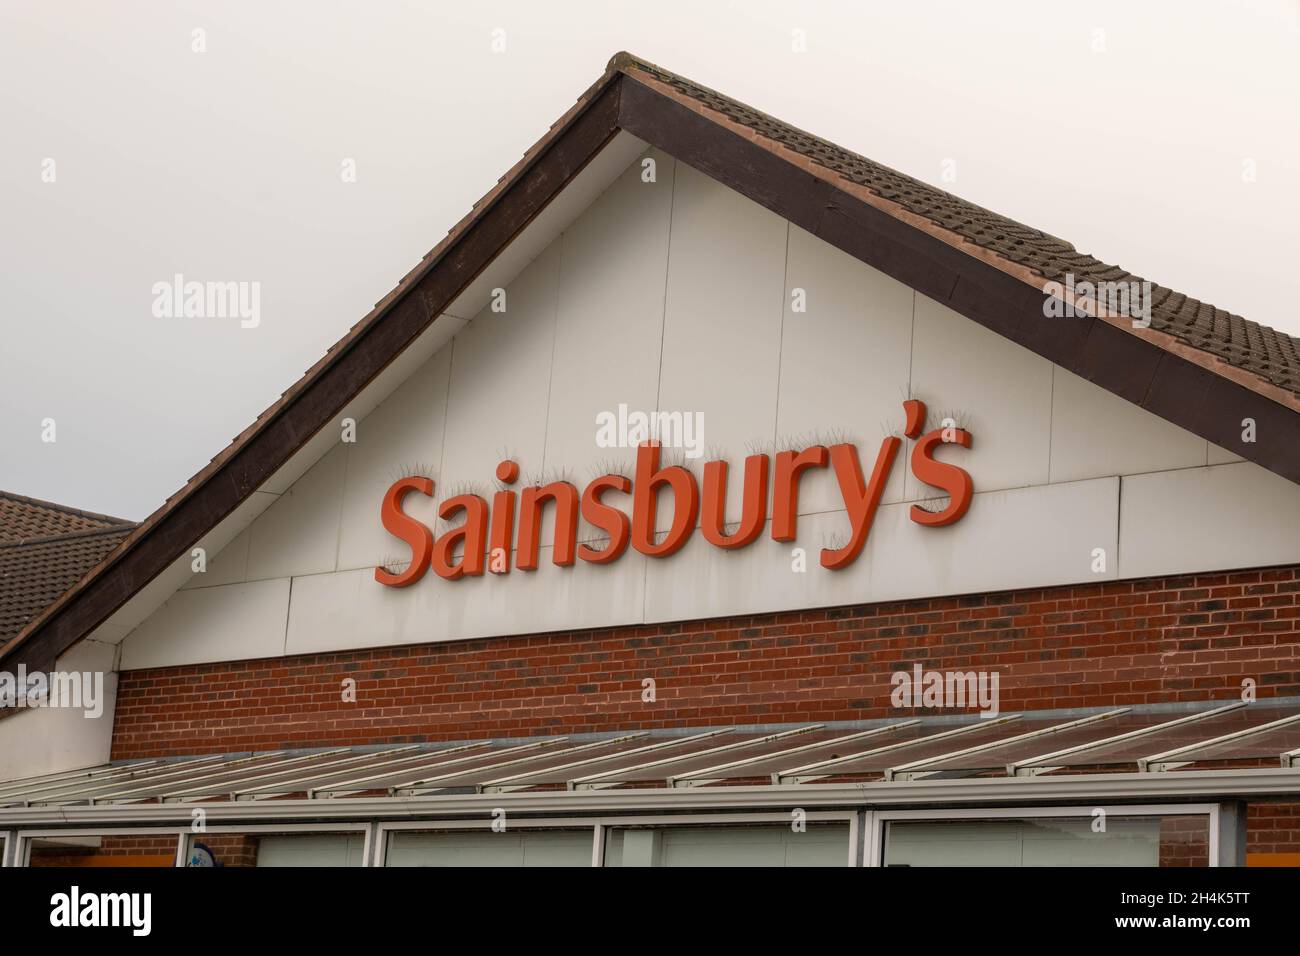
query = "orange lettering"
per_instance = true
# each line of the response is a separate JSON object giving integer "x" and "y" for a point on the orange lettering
{"x": 785, "y": 501}
{"x": 860, "y": 501}
{"x": 565, "y": 497}
{"x": 400, "y": 525}
{"x": 503, "y": 519}
{"x": 686, "y": 499}
{"x": 472, "y": 533}
{"x": 608, "y": 519}
{"x": 753, "y": 505}
{"x": 940, "y": 474}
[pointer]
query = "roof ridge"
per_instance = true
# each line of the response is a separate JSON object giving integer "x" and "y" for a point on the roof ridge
{"x": 84, "y": 533}
{"x": 66, "y": 509}
{"x": 623, "y": 61}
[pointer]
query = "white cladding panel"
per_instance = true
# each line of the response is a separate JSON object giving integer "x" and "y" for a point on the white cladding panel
{"x": 702, "y": 581}
{"x": 36, "y": 741}
{"x": 722, "y": 328}
{"x": 999, "y": 544}
{"x": 610, "y": 322}
{"x": 347, "y": 609}
{"x": 226, "y": 623}
{"x": 1095, "y": 433}
{"x": 1225, "y": 516}
{"x": 228, "y": 566}
{"x": 403, "y": 436}
{"x": 500, "y": 377}
{"x": 678, "y": 295}
{"x": 299, "y": 534}
{"x": 1221, "y": 456}
{"x": 844, "y": 360}
{"x": 1018, "y": 538}
{"x": 998, "y": 391}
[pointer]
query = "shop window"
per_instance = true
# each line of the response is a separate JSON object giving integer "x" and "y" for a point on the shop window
{"x": 1176, "y": 840}
{"x": 486, "y": 847}
{"x": 815, "y": 844}
{"x": 107, "y": 850}
{"x": 254, "y": 848}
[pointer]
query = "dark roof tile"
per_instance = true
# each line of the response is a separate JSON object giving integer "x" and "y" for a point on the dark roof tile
{"x": 22, "y": 518}
{"x": 35, "y": 572}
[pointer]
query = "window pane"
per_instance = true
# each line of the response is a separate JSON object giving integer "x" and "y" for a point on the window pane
{"x": 277, "y": 849}
{"x": 550, "y": 847}
{"x": 1044, "y": 841}
{"x": 820, "y": 844}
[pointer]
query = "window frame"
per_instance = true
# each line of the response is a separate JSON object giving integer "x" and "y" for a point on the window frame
{"x": 367, "y": 829}
{"x": 21, "y": 854}
{"x": 875, "y": 852}
{"x": 599, "y": 824}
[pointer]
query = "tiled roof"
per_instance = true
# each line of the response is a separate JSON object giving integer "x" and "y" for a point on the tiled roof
{"x": 24, "y": 518}
{"x": 45, "y": 548}
{"x": 34, "y": 573}
{"x": 1249, "y": 346}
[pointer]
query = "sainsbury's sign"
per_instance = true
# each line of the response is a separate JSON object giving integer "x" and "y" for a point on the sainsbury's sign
{"x": 485, "y": 539}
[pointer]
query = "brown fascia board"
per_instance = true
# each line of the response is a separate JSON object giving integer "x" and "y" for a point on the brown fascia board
{"x": 1151, "y": 369}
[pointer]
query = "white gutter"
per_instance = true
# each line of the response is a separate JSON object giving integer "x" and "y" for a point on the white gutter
{"x": 1256, "y": 783}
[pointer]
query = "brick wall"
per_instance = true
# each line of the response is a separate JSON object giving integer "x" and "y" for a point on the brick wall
{"x": 1184, "y": 638}
{"x": 1274, "y": 828}
{"x": 231, "y": 849}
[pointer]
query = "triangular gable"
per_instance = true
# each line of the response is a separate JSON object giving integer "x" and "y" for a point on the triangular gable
{"x": 1194, "y": 366}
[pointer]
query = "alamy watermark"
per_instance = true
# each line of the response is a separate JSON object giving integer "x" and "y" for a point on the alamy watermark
{"x": 629, "y": 429}
{"x": 946, "y": 689}
{"x": 1073, "y": 298}
{"x": 73, "y": 690}
{"x": 75, "y": 908}
{"x": 179, "y": 299}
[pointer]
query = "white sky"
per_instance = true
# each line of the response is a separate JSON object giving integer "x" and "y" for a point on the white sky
{"x": 225, "y": 165}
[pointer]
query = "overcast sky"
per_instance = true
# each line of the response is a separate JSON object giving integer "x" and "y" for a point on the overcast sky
{"x": 1160, "y": 135}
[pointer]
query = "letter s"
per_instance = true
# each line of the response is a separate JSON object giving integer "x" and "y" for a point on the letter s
{"x": 605, "y": 517}
{"x": 399, "y": 524}
{"x": 940, "y": 474}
